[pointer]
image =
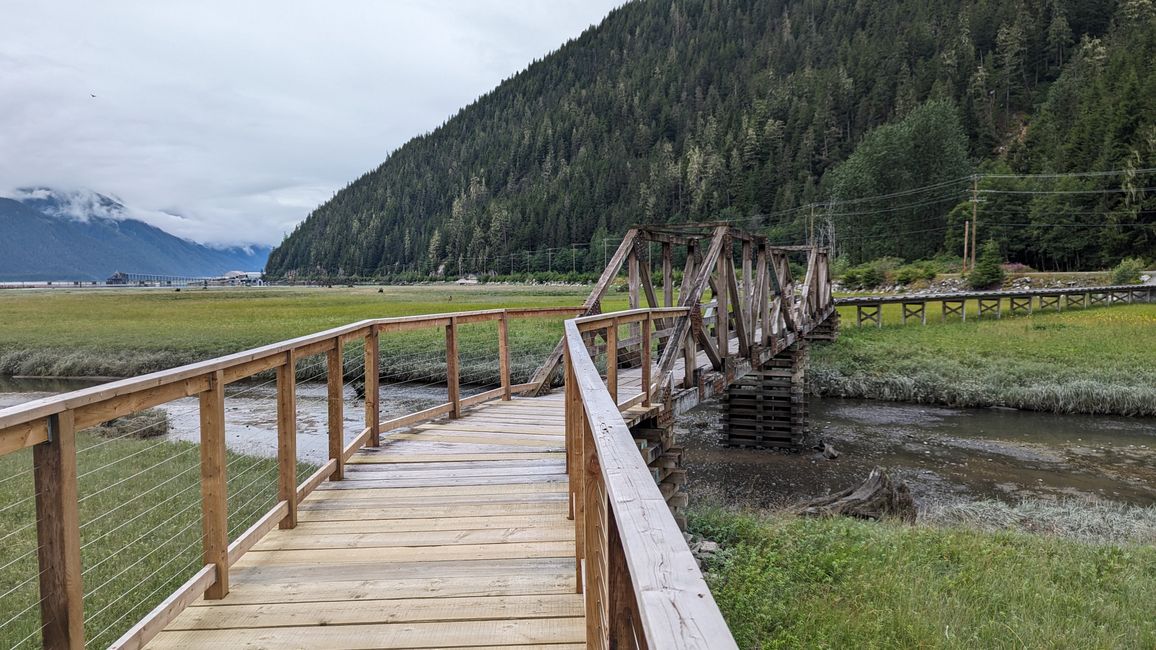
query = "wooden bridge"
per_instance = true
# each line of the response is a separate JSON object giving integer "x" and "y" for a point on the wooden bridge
{"x": 518, "y": 517}
{"x": 991, "y": 304}
{"x": 522, "y": 516}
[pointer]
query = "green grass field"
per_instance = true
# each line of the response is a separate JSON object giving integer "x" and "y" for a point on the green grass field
{"x": 1098, "y": 361}
{"x": 785, "y": 582}
{"x": 126, "y": 332}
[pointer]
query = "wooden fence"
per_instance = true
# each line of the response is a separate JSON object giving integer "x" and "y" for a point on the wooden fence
{"x": 49, "y": 426}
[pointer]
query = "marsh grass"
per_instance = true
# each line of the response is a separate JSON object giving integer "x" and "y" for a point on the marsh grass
{"x": 120, "y": 333}
{"x": 140, "y": 528}
{"x": 1090, "y": 522}
{"x": 1098, "y": 361}
{"x": 786, "y": 582}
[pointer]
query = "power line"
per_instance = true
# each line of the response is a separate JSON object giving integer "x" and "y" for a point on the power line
{"x": 1113, "y": 172}
{"x": 1112, "y": 190}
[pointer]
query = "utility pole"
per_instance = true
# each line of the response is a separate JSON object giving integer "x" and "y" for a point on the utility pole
{"x": 573, "y": 259}
{"x": 966, "y": 241}
{"x": 811, "y": 229}
{"x": 549, "y": 260}
{"x": 974, "y": 217}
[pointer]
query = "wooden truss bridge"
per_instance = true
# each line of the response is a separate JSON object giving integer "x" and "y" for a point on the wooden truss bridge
{"x": 525, "y": 516}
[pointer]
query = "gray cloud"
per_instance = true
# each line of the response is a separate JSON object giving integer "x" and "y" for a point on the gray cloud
{"x": 243, "y": 116}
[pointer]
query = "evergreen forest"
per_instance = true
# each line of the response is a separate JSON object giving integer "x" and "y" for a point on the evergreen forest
{"x": 875, "y": 127}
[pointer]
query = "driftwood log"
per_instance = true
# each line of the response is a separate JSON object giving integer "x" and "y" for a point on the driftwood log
{"x": 877, "y": 497}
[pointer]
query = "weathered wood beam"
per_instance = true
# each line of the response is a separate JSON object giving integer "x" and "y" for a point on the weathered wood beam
{"x": 724, "y": 270}
{"x": 685, "y": 330}
{"x": 762, "y": 300}
{"x": 541, "y": 378}
{"x": 740, "y": 310}
{"x": 667, "y": 275}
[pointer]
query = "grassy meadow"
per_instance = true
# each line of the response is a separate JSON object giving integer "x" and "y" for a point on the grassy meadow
{"x": 1097, "y": 361}
{"x": 787, "y": 582}
{"x": 125, "y": 332}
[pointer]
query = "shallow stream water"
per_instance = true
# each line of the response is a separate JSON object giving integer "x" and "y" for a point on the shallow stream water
{"x": 943, "y": 454}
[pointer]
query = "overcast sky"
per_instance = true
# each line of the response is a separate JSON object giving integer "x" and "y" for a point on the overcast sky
{"x": 243, "y": 116}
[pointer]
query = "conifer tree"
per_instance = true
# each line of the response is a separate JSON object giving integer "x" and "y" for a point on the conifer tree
{"x": 988, "y": 272}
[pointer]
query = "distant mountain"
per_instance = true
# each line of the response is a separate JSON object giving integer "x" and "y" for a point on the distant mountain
{"x": 51, "y": 235}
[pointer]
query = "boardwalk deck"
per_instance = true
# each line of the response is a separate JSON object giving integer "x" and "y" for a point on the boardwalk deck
{"x": 451, "y": 534}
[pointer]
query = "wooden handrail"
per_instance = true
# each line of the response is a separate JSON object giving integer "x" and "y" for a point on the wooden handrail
{"x": 49, "y": 426}
{"x": 18, "y": 427}
{"x": 629, "y": 548}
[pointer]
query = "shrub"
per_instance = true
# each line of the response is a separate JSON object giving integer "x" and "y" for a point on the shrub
{"x": 870, "y": 275}
{"x": 914, "y": 272}
{"x": 1128, "y": 271}
{"x": 988, "y": 270}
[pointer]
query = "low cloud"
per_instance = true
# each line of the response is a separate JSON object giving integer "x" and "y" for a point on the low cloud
{"x": 227, "y": 123}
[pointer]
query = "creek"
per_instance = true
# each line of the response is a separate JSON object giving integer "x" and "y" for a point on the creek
{"x": 944, "y": 454}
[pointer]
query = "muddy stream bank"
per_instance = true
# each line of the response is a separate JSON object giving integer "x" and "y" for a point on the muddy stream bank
{"x": 945, "y": 455}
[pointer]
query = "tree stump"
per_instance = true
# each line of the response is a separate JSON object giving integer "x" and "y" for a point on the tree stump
{"x": 877, "y": 497}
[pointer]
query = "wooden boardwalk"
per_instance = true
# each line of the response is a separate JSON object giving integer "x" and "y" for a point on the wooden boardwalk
{"x": 451, "y": 534}
{"x": 448, "y": 527}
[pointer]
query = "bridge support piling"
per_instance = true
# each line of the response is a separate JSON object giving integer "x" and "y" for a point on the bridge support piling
{"x": 768, "y": 407}
{"x": 656, "y": 441}
{"x": 1019, "y": 303}
{"x": 991, "y": 306}
{"x": 828, "y": 330}
{"x": 954, "y": 307}
{"x": 869, "y": 314}
{"x": 915, "y": 310}
{"x": 1047, "y": 301}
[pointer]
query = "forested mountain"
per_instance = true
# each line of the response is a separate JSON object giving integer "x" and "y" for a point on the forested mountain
{"x": 681, "y": 110}
{"x": 47, "y": 235}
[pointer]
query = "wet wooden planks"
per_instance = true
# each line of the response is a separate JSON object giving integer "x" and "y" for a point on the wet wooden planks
{"x": 451, "y": 534}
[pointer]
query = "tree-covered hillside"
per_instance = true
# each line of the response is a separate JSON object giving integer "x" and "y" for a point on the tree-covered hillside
{"x": 679, "y": 110}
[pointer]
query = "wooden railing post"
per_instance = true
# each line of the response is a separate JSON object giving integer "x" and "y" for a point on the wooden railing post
{"x": 287, "y": 436}
{"x": 612, "y": 360}
{"x": 746, "y": 294}
{"x": 58, "y": 535}
{"x": 576, "y": 428}
{"x": 689, "y": 349}
{"x": 667, "y": 275}
{"x": 689, "y": 352}
{"x": 372, "y": 376}
{"x": 594, "y": 528}
{"x": 624, "y": 630}
{"x": 335, "y": 378}
{"x": 452, "y": 368}
{"x": 573, "y": 412}
{"x": 504, "y": 354}
{"x": 646, "y": 327}
{"x": 575, "y": 469}
{"x": 722, "y": 311}
{"x": 214, "y": 485}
